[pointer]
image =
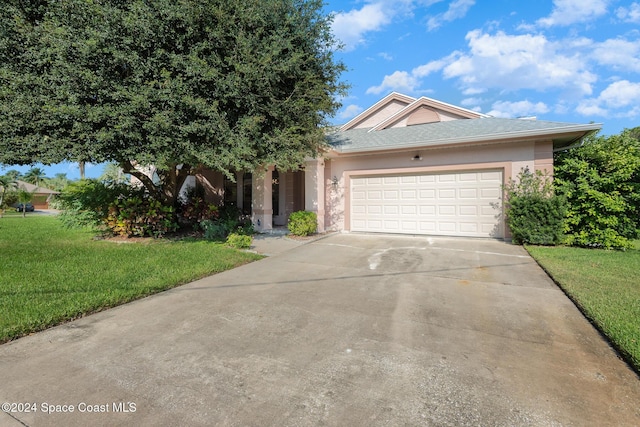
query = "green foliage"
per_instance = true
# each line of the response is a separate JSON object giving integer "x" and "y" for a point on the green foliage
{"x": 303, "y": 223}
{"x": 535, "y": 214}
{"x": 140, "y": 217}
{"x": 8, "y": 194}
{"x": 196, "y": 210}
{"x": 239, "y": 241}
{"x": 213, "y": 230}
{"x": 601, "y": 181}
{"x": 226, "y": 84}
{"x": 229, "y": 220}
{"x": 85, "y": 203}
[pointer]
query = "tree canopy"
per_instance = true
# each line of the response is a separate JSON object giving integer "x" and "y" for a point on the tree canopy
{"x": 226, "y": 84}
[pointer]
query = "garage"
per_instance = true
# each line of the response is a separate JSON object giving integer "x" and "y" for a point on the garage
{"x": 465, "y": 203}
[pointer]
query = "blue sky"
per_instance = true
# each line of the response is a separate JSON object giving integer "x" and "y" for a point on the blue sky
{"x": 573, "y": 61}
{"x": 563, "y": 60}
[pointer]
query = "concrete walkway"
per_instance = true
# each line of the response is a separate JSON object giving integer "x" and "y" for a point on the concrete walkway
{"x": 350, "y": 330}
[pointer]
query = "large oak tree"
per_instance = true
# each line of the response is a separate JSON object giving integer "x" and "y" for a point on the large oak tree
{"x": 226, "y": 84}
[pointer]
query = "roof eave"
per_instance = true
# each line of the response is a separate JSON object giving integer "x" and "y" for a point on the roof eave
{"x": 579, "y": 130}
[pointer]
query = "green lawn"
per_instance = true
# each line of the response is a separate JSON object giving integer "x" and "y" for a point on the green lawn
{"x": 606, "y": 287}
{"x": 49, "y": 274}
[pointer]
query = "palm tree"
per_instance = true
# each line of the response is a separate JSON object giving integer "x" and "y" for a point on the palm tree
{"x": 24, "y": 197}
{"x": 112, "y": 174}
{"x": 34, "y": 176}
{"x": 13, "y": 175}
{"x": 58, "y": 182}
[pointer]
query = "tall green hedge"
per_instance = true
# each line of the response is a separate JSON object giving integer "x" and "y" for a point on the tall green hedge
{"x": 601, "y": 181}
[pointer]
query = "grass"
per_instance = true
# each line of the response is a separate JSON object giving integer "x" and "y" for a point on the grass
{"x": 49, "y": 274}
{"x": 605, "y": 285}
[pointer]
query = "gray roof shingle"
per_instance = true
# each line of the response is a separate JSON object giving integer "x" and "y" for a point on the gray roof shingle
{"x": 455, "y": 132}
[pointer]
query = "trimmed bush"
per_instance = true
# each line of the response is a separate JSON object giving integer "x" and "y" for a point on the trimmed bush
{"x": 239, "y": 241}
{"x": 535, "y": 214}
{"x": 303, "y": 223}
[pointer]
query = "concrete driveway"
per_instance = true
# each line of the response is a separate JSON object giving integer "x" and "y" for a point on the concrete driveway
{"x": 350, "y": 330}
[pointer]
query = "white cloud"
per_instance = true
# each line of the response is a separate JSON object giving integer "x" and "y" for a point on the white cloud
{"x": 385, "y": 56}
{"x": 618, "y": 53}
{"x": 474, "y": 91}
{"x": 508, "y": 63}
{"x": 568, "y": 12}
{"x": 398, "y": 81}
{"x": 513, "y": 62}
{"x": 350, "y": 112}
{"x": 623, "y": 96}
{"x": 433, "y": 66}
{"x": 471, "y": 102}
{"x": 632, "y": 14}
{"x": 517, "y": 109}
{"x": 350, "y": 27}
{"x": 457, "y": 9}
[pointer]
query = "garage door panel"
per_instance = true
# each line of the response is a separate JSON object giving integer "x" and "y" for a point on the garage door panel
{"x": 491, "y": 176}
{"x": 468, "y": 193}
{"x": 447, "y": 193}
{"x": 469, "y": 210}
{"x": 391, "y": 210}
{"x": 458, "y": 204}
{"x": 427, "y": 210}
{"x": 468, "y": 227}
{"x": 427, "y": 194}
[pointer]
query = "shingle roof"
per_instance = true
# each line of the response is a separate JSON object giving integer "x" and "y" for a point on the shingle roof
{"x": 465, "y": 131}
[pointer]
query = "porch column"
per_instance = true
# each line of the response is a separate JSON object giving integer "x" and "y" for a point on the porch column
{"x": 262, "y": 212}
{"x": 314, "y": 189}
{"x": 239, "y": 190}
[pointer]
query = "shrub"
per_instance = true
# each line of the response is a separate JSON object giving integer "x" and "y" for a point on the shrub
{"x": 213, "y": 230}
{"x": 239, "y": 241}
{"x": 227, "y": 222}
{"x": 194, "y": 208}
{"x": 85, "y": 203}
{"x": 197, "y": 209}
{"x": 534, "y": 213}
{"x": 303, "y": 223}
{"x": 140, "y": 216}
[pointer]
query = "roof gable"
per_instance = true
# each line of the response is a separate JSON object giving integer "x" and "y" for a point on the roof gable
{"x": 426, "y": 110}
{"x": 380, "y": 111}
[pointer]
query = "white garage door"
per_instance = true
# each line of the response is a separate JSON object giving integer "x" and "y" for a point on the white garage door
{"x": 448, "y": 204}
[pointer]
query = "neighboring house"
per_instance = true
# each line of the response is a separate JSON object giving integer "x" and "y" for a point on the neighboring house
{"x": 405, "y": 165}
{"x": 41, "y": 195}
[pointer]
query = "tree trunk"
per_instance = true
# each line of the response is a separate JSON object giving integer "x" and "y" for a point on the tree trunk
{"x": 171, "y": 182}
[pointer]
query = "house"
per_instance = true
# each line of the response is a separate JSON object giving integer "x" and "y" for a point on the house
{"x": 41, "y": 196}
{"x": 405, "y": 165}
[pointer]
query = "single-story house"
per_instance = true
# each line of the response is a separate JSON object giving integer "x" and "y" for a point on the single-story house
{"x": 41, "y": 195}
{"x": 405, "y": 165}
